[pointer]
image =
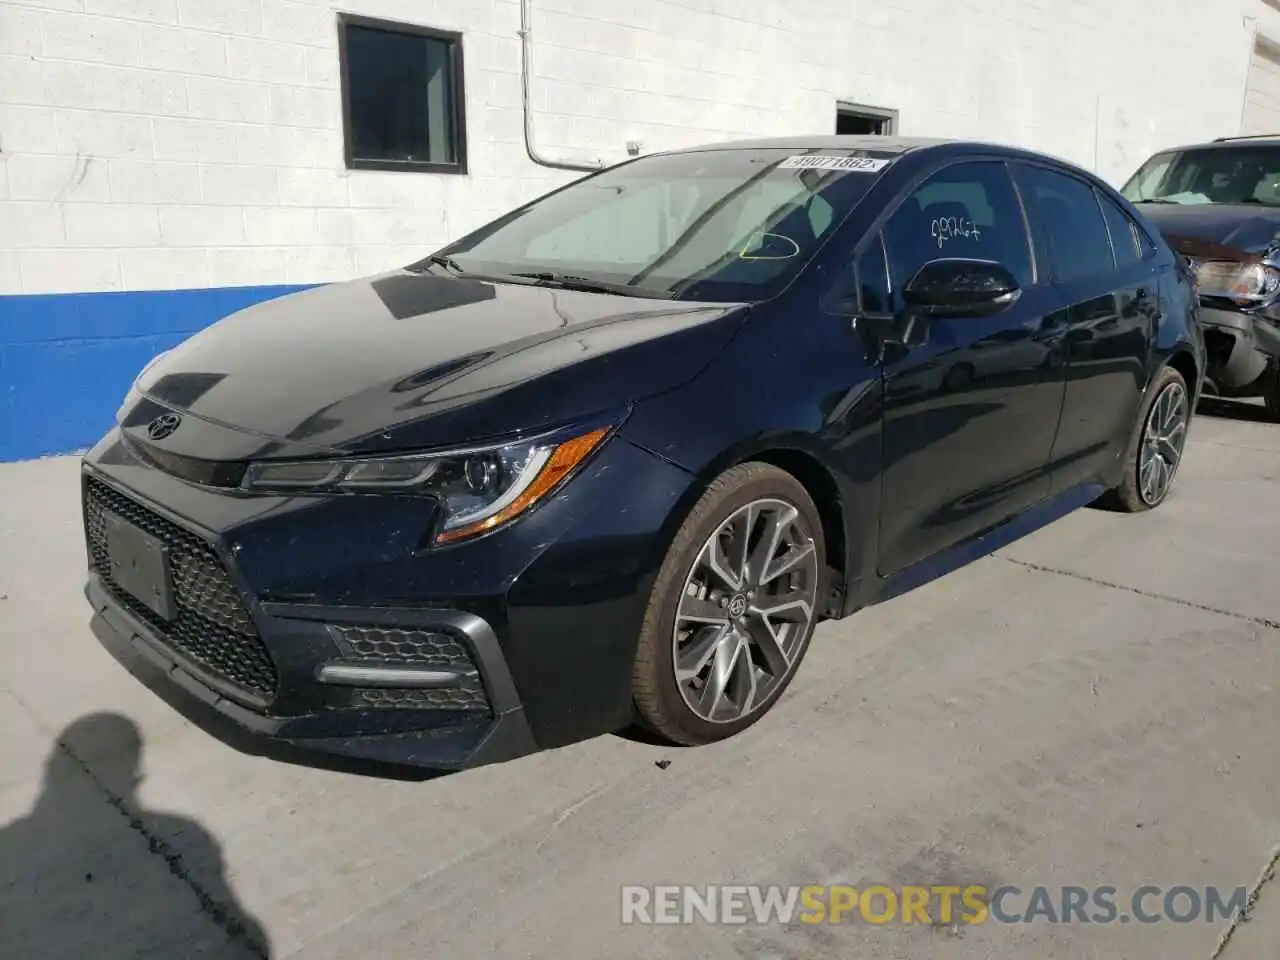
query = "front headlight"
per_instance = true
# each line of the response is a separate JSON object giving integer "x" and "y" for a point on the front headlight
{"x": 1245, "y": 284}
{"x": 479, "y": 488}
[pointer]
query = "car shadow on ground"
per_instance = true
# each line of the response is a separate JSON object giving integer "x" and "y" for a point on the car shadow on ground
{"x": 71, "y": 884}
{"x": 637, "y": 733}
{"x": 1233, "y": 410}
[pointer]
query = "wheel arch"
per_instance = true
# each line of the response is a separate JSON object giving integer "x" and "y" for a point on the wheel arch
{"x": 808, "y": 466}
{"x": 1184, "y": 361}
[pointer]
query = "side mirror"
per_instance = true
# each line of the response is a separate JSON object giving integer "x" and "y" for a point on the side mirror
{"x": 961, "y": 288}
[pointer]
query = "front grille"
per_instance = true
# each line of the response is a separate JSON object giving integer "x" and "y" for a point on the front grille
{"x": 469, "y": 696}
{"x": 212, "y": 627}
{"x": 400, "y": 646}
{"x": 396, "y": 646}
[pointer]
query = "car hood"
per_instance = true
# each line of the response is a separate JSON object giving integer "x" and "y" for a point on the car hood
{"x": 411, "y": 360}
{"x": 1213, "y": 230}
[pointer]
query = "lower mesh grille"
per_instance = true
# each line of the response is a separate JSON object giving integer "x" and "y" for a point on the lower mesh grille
{"x": 212, "y": 627}
{"x": 469, "y": 697}
{"x": 393, "y": 646}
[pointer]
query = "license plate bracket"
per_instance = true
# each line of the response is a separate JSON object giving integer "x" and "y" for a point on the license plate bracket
{"x": 140, "y": 565}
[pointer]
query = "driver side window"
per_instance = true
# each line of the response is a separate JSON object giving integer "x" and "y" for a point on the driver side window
{"x": 966, "y": 211}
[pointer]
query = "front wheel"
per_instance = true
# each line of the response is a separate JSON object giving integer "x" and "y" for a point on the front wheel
{"x": 1155, "y": 446}
{"x": 733, "y": 607}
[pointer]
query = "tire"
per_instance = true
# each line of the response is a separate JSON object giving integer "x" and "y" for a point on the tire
{"x": 687, "y": 584}
{"x": 1132, "y": 496}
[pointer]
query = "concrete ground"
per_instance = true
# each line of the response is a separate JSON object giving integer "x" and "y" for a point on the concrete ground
{"x": 1095, "y": 705}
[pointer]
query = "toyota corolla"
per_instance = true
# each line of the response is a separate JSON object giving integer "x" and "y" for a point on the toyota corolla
{"x": 612, "y": 457}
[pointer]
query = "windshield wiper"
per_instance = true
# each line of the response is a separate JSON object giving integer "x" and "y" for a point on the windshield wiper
{"x": 448, "y": 263}
{"x": 565, "y": 281}
{"x": 1154, "y": 200}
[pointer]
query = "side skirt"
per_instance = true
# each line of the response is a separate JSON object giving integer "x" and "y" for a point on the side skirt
{"x": 981, "y": 545}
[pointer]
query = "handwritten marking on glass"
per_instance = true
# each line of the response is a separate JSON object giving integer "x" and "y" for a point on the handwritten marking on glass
{"x": 953, "y": 228}
{"x": 768, "y": 246}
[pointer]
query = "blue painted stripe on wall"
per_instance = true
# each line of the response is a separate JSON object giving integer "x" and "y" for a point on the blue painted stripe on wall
{"x": 67, "y": 359}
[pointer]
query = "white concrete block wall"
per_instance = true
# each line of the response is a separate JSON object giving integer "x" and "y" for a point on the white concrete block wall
{"x": 163, "y": 144}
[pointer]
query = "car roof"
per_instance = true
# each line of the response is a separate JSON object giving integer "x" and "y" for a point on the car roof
{"x": 879, "y": 144}
{"x": 1226, "y": 143}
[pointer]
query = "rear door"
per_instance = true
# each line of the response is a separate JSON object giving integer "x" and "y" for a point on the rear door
{"x": 1105, "y": 274}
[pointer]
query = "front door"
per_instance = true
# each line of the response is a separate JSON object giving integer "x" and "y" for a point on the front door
{"x": 971, "y": 403}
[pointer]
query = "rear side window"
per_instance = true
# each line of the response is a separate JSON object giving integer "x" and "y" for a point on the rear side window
{"x": 1069, "y": 215}
{"x": 1145, "y": 246}
{"x": 1124, "y": 233}
{"x": 967, "y": 210}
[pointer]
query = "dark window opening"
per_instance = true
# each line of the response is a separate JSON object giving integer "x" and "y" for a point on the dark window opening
{"x": 402, "y": 96}
{"x": 856, "y": 120}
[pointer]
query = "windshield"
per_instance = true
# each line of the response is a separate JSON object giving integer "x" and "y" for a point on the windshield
{"x": 1236, "y": 174}
{"x": 719, "y": 225}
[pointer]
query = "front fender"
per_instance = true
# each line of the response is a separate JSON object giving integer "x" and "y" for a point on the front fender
{"x": 810, "y": 405}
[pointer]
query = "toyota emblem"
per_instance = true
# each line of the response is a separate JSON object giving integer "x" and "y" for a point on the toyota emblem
{"x": 163, "y": 425}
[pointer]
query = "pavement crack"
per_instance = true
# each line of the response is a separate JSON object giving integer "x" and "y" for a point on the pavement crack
{"x": 1246, "y": 913}
{"x": 1150, "y": 595}
{"x": 220, "y": 913}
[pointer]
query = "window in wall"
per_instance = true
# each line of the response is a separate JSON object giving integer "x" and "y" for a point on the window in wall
{"x": 402, "y": 96}
{"x": 854, "y": 118}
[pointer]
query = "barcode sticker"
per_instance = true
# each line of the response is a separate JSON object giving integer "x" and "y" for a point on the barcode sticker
{"x": 816, "y": 161}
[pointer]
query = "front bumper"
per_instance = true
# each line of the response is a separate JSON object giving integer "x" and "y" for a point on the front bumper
{"x": 325, "y": 624}
{"x": 1240, "y": 346}
{"x": 440, "y": 740}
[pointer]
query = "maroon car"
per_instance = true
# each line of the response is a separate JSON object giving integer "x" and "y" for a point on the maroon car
{"x": 1218, "y": 204}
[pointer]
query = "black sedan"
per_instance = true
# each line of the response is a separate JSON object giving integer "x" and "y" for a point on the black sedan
{"x": 612, "y": 457}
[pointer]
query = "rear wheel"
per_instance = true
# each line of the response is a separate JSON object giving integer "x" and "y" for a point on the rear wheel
{"x": 1155, "y": 446}
{"x": 733, "y": 608}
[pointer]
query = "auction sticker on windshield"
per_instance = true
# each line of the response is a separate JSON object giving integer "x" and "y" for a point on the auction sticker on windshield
{"x": 816, "y": 161}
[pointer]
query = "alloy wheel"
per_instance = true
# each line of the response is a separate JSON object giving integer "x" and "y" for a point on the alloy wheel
{"x": 745, "y": 612}
{"x": 1162, "y": 441}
